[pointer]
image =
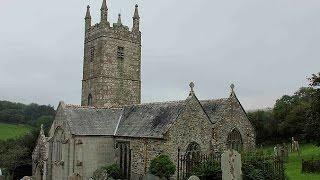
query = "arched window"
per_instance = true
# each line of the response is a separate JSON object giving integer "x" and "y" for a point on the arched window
{"x": 57, "y": 146}
{"x": 193, "y": 150}
{"x": 90, "y": 100}
{"x": 234, "y": 140}
{"x": 192, "y": 156}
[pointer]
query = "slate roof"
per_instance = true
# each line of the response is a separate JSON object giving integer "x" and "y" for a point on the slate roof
{"x": 143, "y": 120}
{"x": 148, "y": 120}
{"x": 215, "y": 108}
{"x": 92, "y": 121}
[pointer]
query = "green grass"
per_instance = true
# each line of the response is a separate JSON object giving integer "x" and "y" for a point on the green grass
{"x": 293, "y": 166}
{"x": 9, "y": 131}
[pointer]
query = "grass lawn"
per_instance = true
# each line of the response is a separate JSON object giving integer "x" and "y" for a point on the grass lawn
{"x": 293, "y": 166}
{"x": 8, "y": 131}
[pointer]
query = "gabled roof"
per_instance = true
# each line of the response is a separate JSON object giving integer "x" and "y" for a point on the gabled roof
{"x": 149, "y": 120}
{"x": 92, "y": 121}
{"x": 143, "y": 120}
{"x": 215, "y": 108}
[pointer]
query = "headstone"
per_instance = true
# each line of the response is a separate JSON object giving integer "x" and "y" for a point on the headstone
{"x": 150, "y": 177}
{"x": 2, "y": 177}
{"x": 231, "y": 165}
{"x": 26, "y": 178}
{"x": 193, "y": 178}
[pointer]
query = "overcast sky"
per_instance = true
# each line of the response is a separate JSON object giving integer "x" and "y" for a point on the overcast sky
{"x": 266, "y": 48}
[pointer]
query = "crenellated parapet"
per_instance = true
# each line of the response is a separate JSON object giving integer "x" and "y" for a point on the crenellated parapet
{"x": 116, "y": 30}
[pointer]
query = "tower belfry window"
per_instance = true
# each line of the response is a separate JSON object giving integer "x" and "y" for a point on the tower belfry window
{"x": 90, "y": 100}
{"x": 91, "y": 54}
{"x": 120, "y": 52}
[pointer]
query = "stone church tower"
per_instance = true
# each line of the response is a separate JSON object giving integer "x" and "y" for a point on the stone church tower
{"x": 112, "y": 62}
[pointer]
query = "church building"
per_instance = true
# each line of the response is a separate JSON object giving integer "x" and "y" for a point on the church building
{"x": 113, "y": 126}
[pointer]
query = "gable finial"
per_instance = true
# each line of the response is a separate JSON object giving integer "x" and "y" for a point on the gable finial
{"x": 119, "y": 19}
{"x": 191, "y": 87}
{"x": 232, "y": 87}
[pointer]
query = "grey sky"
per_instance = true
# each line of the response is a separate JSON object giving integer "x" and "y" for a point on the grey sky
{"x": 266, "y": 48}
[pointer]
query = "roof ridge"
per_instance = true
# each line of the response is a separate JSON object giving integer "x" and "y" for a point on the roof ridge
{"x": 163, "y": 102}
{"x": 90, "y": 107}
{"x": 208, "y": 100}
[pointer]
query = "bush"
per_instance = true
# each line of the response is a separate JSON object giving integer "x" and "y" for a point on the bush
{"x": 113, "y": 171}
{"x": 208, "y": 170}
{"x": 106, "y": 172}
{"x": 257, "y": 166}
{"x": 162, "y": 166}
{"x": 311, "y": 166}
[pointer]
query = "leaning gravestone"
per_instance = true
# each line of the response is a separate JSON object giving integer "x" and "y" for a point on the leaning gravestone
{"x": 193, "y": 178}
{"x": 231, "y": 165}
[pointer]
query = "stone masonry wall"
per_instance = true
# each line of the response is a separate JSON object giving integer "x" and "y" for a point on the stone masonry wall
{"x": 233, "y": 118}
{"x": 111, "y": 81}
{"x": 192, "y": 126}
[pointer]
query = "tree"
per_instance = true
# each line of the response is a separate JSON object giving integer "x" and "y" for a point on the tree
{"x": 17, "y": 152}
{"x": 312, "y": 126}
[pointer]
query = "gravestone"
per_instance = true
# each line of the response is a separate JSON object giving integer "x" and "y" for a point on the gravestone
{"x": 231, "y": 165}
{"x": 26, "y": 178}
{"x": 2, "y": 177}
{"x": 150, "y": 177}
{"x": 193, "y": 178}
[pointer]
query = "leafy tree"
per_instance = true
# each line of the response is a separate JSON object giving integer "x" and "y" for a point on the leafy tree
{"x": 17, "y": 152}
{"x": 264, "y": 124}
{"x": 287, "y": 118}
{"x": 23, "y": 114}
{"x": 312, "y": 126}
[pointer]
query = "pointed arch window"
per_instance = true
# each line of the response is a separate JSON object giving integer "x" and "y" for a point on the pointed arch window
{"x": 193, "y": 150}
{"x": 90, "y": 100}
{"x": 234, "y": 140}
{"x": 192, "y": 156}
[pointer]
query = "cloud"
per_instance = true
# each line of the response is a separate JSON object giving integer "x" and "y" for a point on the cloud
{"x": 267, "y": 48}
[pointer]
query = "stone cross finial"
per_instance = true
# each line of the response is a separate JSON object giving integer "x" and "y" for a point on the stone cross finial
{"x": 119, "y": 19}
{"x": 232, "y": 87}
{"x": 191, "y": 86}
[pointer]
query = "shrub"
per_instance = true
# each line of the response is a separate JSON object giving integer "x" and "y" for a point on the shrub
{"x": 257, "y": 166}
{"x": 162, "y": 166}
{"x": 113, "y": 171}
{"x": 208, "y": 169}
{"x": 311, "y": 166}
{"x": 106, "y": 172}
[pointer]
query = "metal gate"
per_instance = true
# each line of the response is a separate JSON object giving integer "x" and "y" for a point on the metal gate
{"x": 188, "y": 161}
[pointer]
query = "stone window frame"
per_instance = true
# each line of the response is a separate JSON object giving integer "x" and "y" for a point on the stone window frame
{"x": 90, "y": 99}
{"x": 120, "y": 52}
{"x": 193, "y": 150}
{"x": 57, "y": 146}
{"x": 234, "y": 140}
